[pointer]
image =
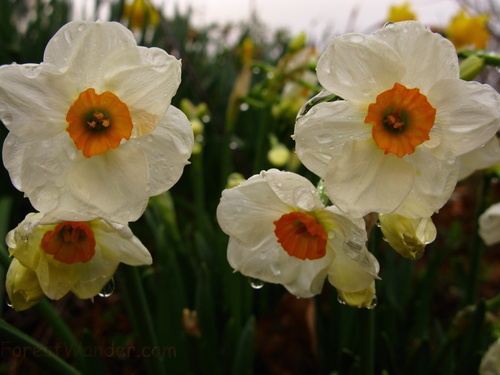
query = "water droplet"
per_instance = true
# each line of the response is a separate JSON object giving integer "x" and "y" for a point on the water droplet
{"x": 255, "y": 283}
{"x": 340, "y": 300}
{"x": 81, "y": 27}
{"x": 357, "y": 38}
{"x": 7, "y": 301}
{"x": 107, "y": 289}
{"x": 389, "y": 25}
{"x": 373, "y": 303}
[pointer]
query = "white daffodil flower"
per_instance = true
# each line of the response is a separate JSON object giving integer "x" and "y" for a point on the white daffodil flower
{"x": 72, "y": 253}
{"x": 404, "y": 120}
{"x": 480, "y": 158}
{"x": 280, "y": 232}
{"x": 489, "y": 225}
{"x": 91, "y": 128}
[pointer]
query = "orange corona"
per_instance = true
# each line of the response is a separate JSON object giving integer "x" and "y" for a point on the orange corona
{"x": 402, "y": 119}
{"x": 70, "y": 242}
{"x": 301, "y": 235}
{"x": 98, "y": 122}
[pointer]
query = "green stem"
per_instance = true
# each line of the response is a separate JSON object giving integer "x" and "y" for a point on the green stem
{"x": 493, "y": 303}
{"x": 490, "y": 58}
{"x": 477, "y": 244}
{"x": 31, "y": 348}
{"x": 368, "y": 342}
{"x": 141, "y": 316}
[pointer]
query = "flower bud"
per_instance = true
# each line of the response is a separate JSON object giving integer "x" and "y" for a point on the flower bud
{"x": 407, "y": 236}
{"x": 22, "y": 286}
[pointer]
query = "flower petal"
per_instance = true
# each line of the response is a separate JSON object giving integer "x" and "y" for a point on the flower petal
{"x": 321, "y": 133}
{"x": 117, "y": 242}
{"x": 375, "y": 183}
{"x": 419, "y": 49}
{"x": 480, "y": 158}
{"x": 350, "y": 275}
{"x": 94, "y": 275}
{"x": 167, "y": 149}
{"x": 467, "y": 112}
{"x": 111, "y": 185}
{"x": 434, "y": 183}
{"x": 358, "y": 67}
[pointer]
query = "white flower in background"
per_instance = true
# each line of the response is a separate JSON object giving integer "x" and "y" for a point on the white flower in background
{"x": 70, "y": 253}
{"x": 91, "y": 128}
{"x": 480, "y": 158}
{"x": 490, "y": 364}
{"x": 280, "y": 232}
{"x": 407, "y": 236}
{"x": 404, "y": 119}
{"x": 489, "y": 225}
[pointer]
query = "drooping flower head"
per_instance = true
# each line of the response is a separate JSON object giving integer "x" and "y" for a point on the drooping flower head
{"x": 280, "y": 232}
{"x": 91, "y": 128}
{"x": 67, "y": 253}
{"x": 404, "y": 119}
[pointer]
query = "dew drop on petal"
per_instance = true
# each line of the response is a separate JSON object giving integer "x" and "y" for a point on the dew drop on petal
{"x": 389, "y": 25}
{"x": 340, "y": 300}
{"x": 7, "y": 301}
{"x": 255, "y": 283}
{"x": 357, "y": 38}
{"x": 107, "y": 289}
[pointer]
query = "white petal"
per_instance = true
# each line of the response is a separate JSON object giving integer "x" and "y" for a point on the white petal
{"x": 82, "y": 47}
{"x": 93, "y": 275}
{"x": 293, "y": 189}
{"x": 117, "y": 242}
{"x": 480, "y": 158}
{"x": 270, "y": 263}
{"x": 489, "y": 224}
{"x": 434, "y": 183}
{"x": 427, "y": 56}
{"x": 247, "y": 212}
{"x": 113, "y": 185}
{"x": 362, "y": 179}
{"x": 56, "y": 278}
{"x": 351, "y": 275}
{"x": 467, "y": 112}
{"x": 321, "y": 133}
{"x": 358, "y": 67}
{"x": 167, "y": 149}
{"x": 34, "y": 100}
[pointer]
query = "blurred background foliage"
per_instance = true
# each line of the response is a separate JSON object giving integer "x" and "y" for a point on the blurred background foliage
{"x": 242, "y": 86}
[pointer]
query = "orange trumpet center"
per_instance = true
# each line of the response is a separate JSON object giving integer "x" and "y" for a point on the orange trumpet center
{"x": 70, "y": 242}
{"x": 97, "y": 123}
{"x": 301, "y": 235}
{"x": 402, "y": 119}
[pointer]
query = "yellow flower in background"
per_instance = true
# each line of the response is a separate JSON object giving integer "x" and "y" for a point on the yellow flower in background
{"x": 140, "y": 13}
{"x": 67, "y": 253}
{"x": 280, "y": 232}
{"x": 91, "y": 129}
{"x": 466, "y": 31}
{"x": 401, "y": 12}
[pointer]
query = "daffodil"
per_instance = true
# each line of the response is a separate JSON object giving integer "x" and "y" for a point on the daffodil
{"x": 69, "y": 253}
{"x": 403, "y": 12}
{"x": 280, "y": 232}
{"x": 489, "y": 225}
{"x": 404, "y": 119}
{"x": 91, "y": 128}
{"x": 140, "y": 13}
{"x": 467, "y": 31}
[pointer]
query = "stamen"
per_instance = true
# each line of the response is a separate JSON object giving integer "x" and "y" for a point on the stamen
{"x": 301, "y": 235}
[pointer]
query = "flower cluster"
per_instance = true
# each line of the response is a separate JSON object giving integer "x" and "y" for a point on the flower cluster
{"x": 92, "y": 136}
{"x": 391, "y": 143}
